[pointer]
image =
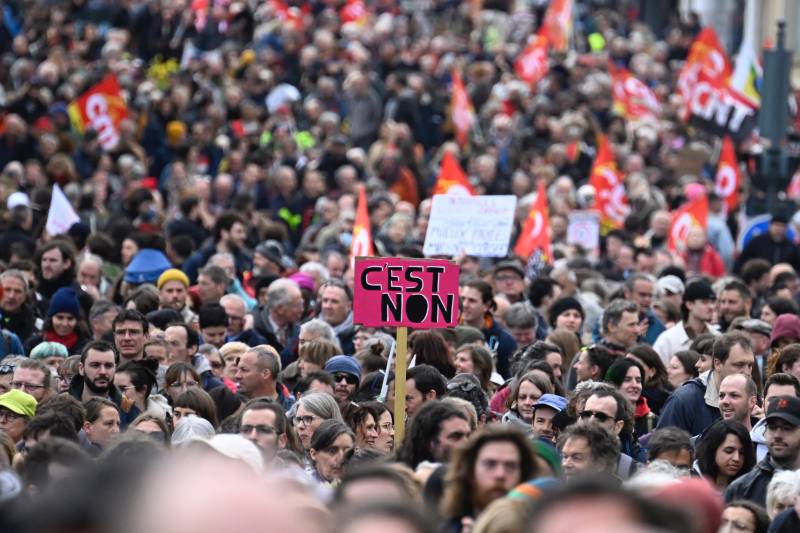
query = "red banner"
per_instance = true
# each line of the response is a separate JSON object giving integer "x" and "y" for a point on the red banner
{"x": 452, "y": 179}
{"x": 611, "y": 200}
{"x": 535, "y": 233}
{"x": 461, "y": 108}
{"x": 690, "y": 215}
{"x": 102, "y": 109}
{"x": 728, "y": 178}
{"x": 632, "y": 98}
{"x": 362, "y": 234}
{"x": 531, "y": 65}
{"x": 557, "y": 25}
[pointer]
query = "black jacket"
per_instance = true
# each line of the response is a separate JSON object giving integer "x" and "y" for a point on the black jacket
{"x": 753, "y": 485}
{"x": 763, "y": 247}
{"x": 262, "y": 325}
{"x": 23, "y": 323}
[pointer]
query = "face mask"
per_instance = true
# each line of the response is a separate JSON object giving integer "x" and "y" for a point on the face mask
{"x": 346, "y": 239}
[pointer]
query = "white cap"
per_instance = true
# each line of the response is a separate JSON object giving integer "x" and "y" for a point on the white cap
{"x": 237, "y": 447}
{"x": 670, "y": 283}
{"x": 18, "y": 198}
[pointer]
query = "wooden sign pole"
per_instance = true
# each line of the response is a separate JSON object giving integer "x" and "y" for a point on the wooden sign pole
{"x": 400, "y": 385}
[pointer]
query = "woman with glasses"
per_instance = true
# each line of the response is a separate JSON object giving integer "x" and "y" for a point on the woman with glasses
{"x": 331, "y": 448}
{"x": 724, "y": 453}
{"x": 312, "y": 410}
{"x": 385, "y": 424}
{"x": 137, "y": 380}
{"x": 179, "y": 378}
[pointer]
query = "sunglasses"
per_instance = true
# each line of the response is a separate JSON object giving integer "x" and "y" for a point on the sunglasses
{"x": 349, "y": 378}
{"x": 261, "y": 429}
{"x": 597, "y": 415}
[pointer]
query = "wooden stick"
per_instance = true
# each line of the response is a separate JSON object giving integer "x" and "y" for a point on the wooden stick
{"x": 400, "y": 385}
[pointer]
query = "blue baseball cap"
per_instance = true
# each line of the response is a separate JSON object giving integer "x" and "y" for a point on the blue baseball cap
{"x": 553, "y": 401}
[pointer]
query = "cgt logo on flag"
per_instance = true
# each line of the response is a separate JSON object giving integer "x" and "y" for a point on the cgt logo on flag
{"x": 102, "y": 109}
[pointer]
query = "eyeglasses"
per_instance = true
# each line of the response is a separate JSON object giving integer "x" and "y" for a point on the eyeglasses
{"x": 304, "y": 420}
{"x": 464, "y": 386}
{"x": 125, "y": 388}
{"x": 9, "y": 416}
{"x": 217, "y": 364}
{"x": 184, "y": 385}
{"x": 21, "y": 385}
{"x": 6, "y": 369}
{"x": 261, "y": 429}
{"x": 349, "y": 378}
{"x": 600, "y": 416}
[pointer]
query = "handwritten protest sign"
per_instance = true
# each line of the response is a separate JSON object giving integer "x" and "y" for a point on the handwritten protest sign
{"x": 584, "y": 230}
{"x": 421, "y": 293}
{"x": 477, "y": 225}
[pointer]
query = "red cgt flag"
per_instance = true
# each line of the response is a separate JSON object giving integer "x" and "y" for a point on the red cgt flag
{"x": 362, "y": 236}
{"x": 632, "y": 98}
{"x": 728, "y": 178}
{"x": 531, "y": 65}
{"x": 557, "y": 24}
{"x": 535, "y": 233}
{"x": 707, "y": 59}
{"x": 452, "y": 179}
{"x": 690, "y": 215}
{"x": 463, "y": 113}
{"x": 101, "y": 108}
{"x": 612, "y": 202}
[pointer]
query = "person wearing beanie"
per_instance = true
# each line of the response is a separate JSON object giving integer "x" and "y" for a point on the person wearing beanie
{"x": 173, "y": 289}
{"x": 64, "y": 323}
{"x": 346, "y": 374}
{"x": 785, "y": 330}
{"x": 51, "y": 354}
{"x": 567, "y": 313}
{"x": 699, "y": 300}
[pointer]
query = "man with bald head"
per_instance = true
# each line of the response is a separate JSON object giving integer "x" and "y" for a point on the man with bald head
{"x": 737, "y": 398}
{"x": 238, "y": 327}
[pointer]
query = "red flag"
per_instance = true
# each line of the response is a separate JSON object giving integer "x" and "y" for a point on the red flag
{"x": 536, "y": 230}
{"x": 690, "y": 215}
{"x": 362, "y": 236}
{"x": 612, "y": 202}
{"x": 461, "y": 108}
{"x": 354, "y": 11}
{"x": 706, "y": 57}
{"x": 793, "y": 190}
{"x": 101, "y": 108}
{"x": 451, "y": 179}
{"x": 728, "y": 178}
{"x": 557, "y": 24}
{"x": 531, "y": 65}
{"x": 632, "y": 99}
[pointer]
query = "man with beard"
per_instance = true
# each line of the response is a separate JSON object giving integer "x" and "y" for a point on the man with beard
{"x": 492, "y": 462}
{"x": 95, "y": 379}
{"x": 264, "y": 423}
{"x": 230, "y": 234}
{"x": 734, "y": 301}
{"x": 783, "y": 442}
{"x": 56, "y": 260}
{"x": 173, "y": 287}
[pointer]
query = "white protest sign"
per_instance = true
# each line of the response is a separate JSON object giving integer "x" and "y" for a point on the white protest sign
{"x": 584, "y": 230}
{"x": 477, "y": 225}
{"x": 61, "y": 215}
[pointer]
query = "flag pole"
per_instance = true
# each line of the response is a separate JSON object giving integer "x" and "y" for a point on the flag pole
{"x": 400, "y": 385}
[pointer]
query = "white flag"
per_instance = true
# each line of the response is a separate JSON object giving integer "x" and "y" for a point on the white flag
{"x": 61, "y": 215}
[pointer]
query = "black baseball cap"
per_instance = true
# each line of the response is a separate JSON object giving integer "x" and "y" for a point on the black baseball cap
{"x": 786, "y": 408}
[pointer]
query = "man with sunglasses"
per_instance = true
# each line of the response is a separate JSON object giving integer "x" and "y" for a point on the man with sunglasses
{"x": 346, "y": 374}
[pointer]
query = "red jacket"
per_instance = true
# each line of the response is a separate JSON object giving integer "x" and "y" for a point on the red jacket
{"x": 709, "y": 263}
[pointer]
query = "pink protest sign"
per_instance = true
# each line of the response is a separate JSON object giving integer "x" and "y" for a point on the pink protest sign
{"x": 420, "y": 293}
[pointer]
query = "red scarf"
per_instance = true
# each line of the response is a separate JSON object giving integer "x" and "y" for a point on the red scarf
{"x": 642, "y": 409}
{"x": 69, "y": 340}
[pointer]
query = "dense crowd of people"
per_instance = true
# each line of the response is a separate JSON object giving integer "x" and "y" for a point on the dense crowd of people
{"x": 184, "y": 357}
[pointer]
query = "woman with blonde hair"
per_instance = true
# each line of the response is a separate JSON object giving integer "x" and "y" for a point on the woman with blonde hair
{"x": 231, "y": 352}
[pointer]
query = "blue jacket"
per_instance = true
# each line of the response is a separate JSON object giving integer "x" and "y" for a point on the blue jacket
{"x": 497, "y": 337}
{"x": 10, "y": 344}
{"x": 688, "y": 410}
